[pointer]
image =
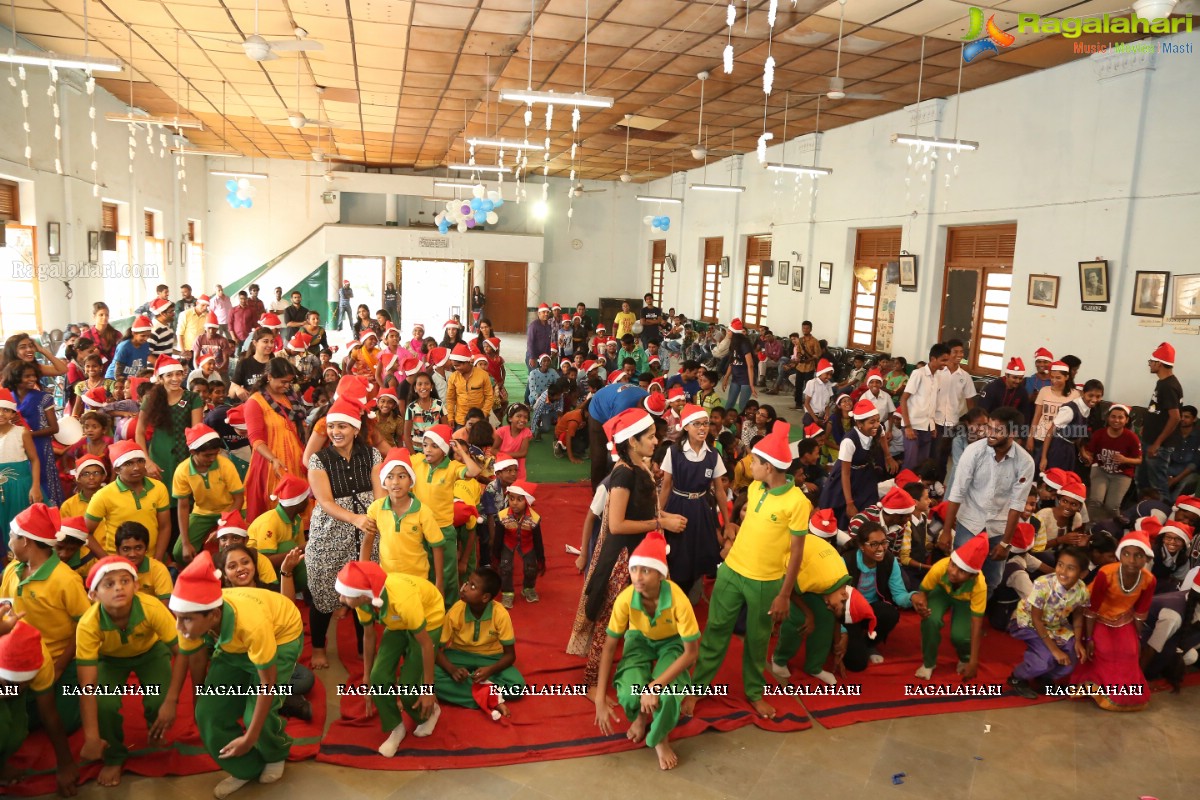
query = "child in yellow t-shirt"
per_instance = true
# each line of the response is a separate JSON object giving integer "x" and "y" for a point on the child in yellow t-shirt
{"x": 409, "y": 533}
{"x": 72, "y": 548}
{"x": 435, "y": 474}
{"x": 132, "y": 542}
{"x": 206, "y": 485}
{"x": 956, "y": 585}
{"x": 90, "y": 474}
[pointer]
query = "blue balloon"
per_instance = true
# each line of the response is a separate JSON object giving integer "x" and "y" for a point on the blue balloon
{"x": 249, "y": 203}
{"x": 486, "y": 205}
{"x": 474, "y": 203}
{"x": 231, "y": 185}
{"x": 666, "y": 226}
{"x": 480, "y": 217}
{"x": 499, "y": 201}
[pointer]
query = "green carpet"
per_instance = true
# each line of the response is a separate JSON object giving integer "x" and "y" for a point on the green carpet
{"x": 540, "y": 465}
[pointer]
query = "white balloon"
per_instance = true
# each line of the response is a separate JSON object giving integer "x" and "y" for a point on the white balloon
{"x": 462, "y": 227}
{"x": 243, "y": 183}
{"x": 648, "y": 219}
{"x": 478, "y": 191}
{"x": 251, "y": 191}
{"x": 493, "y": 218}
{"x": 438, "y": 219}
{"x": 452, "y": 206}
{"x": 493, "y": 196}
{"x": 241, "y": 194}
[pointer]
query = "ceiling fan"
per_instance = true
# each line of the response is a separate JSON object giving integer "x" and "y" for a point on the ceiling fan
{"x": 327, "y": 175}
{"x": 257, "y": 48}
{"x": 699, "y": 152}
{"x": 577, "y": 190}
{"x": 837, "y": 84}
{"x": 296, "y": 118}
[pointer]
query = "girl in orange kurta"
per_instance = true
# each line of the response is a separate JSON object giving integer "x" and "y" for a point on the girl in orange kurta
{"x": 275, "y": 427}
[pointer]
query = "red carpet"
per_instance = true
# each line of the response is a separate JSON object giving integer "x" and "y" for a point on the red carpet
{"x": 541, "y": 728}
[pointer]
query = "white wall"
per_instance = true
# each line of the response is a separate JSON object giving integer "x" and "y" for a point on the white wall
{"x": 1087, "y": 167}
{"x": 47, "y": 196}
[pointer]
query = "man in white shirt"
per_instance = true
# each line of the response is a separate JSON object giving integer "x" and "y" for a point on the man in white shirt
{"x": 917, "y": 407}
{"x": 817, "y": 394}
{"x": 955, "y": 395}
{"x": 279, "y": 304}
{"x": 881, "y": 400}
{"x": 991, "y": 484}
{"x": 222, "y": 306}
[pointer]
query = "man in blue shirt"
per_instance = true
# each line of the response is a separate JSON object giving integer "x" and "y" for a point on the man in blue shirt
{"x": 604, "y": 405}
{"x": 538, "y": 337}
{"x": 687, "y": 379}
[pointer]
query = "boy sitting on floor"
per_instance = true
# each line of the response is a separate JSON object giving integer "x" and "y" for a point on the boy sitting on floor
{"x": 956, "y": 585}
{"x": 478, "y": 646}
{"x": 658, "y": 625}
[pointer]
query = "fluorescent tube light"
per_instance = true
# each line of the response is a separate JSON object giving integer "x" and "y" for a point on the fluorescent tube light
{"x": 799, "y": 170}
{"x": 169, "y": 122}
{"x": 504, "y": 144}
{"x": 933, "y": 141}
{"x": 49, "y": 58}
{"x": 715, "y": 187}
{"x": 231, "y": 173}
{"x": 556, "y": 98}
{"x": 479, "y": 168}
{"x": 191, "y": 151}
{"x": 649, "y": 198}
{"x": 453, "y": 185}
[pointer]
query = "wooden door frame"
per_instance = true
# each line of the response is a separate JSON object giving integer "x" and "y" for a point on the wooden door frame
{"x": 880, "y": 273}
{"x": 522, "y": 317}
{"x": 980, "y": 285}
{"x": 746, "y": 280}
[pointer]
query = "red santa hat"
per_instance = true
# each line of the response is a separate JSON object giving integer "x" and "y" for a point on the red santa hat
{"x": 601, "y": 329}
{"x": 347, "y": 410}
{"x": 618, "y": 375}
{"x": 1015, "y": 367}
{"x": 656, "y": 404}
{"x": 972, "y": 554}
{"x": 134, "y": 383}
{"x": 525, "y": 489}
{"x": 203, "y": 300}
{"x": 1073, "y": 488}
{"x": 166, "y": 365}
{"x": 904, "y": 477}
{"x": 897, "y": 501}
{"x": 1118, "y": 406}
{"x": 874, "y": 375}
{"x": 20, "y": 653}
{"x": 555, "y": 307}
{"x": 489, "y": 701}
{"x": 106, "y": 565}
{"x": 1188, "y": 503}
{"x": 9, "y": 402}
{"x": 692, "y": 413}
{"x": 159, "y": 305}
{"x": 859, "y": 610}
{"x": 291, "y": 490}
{"x": 545, "y": 356}
{"x": 125, "y": 450}
{"x": 1059, "y": 366}
{"x": 39, "y": 523}
{"x": 658, "y": 385}
{"x": 1180, "y": 529}
{"x": 654, "y": 360}
{"x": 823, "y": 523}
{"x": 543, "y": 307}
{"x": 412, "y": 366}
{"x": 451, "y": 323}
{"x": 440, "y": 435}
{"x": 460, "y": 353}
{"x": 1138, "y": 539}
{"x": 211, "y": 320}
{"x": 1023, "y": 538}
{"x": 208, "y": 358}
{"x": 823, "y": 366}
{"x": 300, "y": 341}
{"x": 493, "y": 342}
{"x": 652, "y": 553}
{"x": 1151, "y": 525}
{"x": 774, "y": 448}
{"x": 1043, "y": 354}
{"x": 236, "y": 418}
{"x": 677, "y": 395}
{"x": 1164, "y": 354}
{"x": 625, "y": 426}
{"x": 362, "y": 579}
{"x": 368, "y": 334}
{"x": 269, "y": 320}
{"x": 504, "y": 461}
{"x": 438, "y": 356}
{"x": 397, "y": 457}
{"x": 736, "y": 325}
{"x": 864, "y": 409}
{"x": 73, "y": 528}
{"x": 198, "y": 586}
{"x": 142, "y": 324}
{"x": 232, "y": 523}
{"x": 562, "y": 365}
{"x": 464, "y": 513}
{"x": 590, "y": 366}
{"x": 93, "y": 398}
{"x": 1191, "y": 581}
{"x": 813, "y": 431}
{"x": 1054, "y": 478}
{"x": 200, "y": 435}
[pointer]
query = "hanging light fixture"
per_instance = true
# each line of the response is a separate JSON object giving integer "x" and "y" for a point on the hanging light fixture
{"x": 935, "y": 142}
{"x": 52, "y": 59}
{"x": 799, "y": 169}
{"x": 649, "y": 198}
{"x": 580, "y": 99}
{"x": 718, "y": 187}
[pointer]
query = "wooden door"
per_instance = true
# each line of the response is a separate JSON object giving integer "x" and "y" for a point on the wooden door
{"x": 505, "y": 294}
{"x": 758, "y": 281}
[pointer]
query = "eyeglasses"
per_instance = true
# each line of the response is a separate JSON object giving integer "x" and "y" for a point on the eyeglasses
{"x": 876, "y": 545}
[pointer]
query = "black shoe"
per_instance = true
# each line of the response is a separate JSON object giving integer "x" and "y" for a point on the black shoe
{"x": 297, "y": 708}
{"x": 1022, "y": 688}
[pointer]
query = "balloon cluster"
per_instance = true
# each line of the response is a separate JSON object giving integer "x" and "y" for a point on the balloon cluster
{"x": 464, "y": 214}
{"x": 241, "y": 193}
{"x": 661, "y": 222}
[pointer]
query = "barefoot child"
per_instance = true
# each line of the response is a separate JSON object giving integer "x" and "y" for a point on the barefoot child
{"x": 124, "y": 632}
{"x": 956, "y": 585}
{"x": 656, "y": 621}
{"x": 759, "y": 571}
{"x": 408, "y": 530}
{"x": 205, "y": 485}
{"x": 822, "y": 572}
{"x": 1050, "y": 622}
{"x": 411, "y": 612}
{"x": 244, "y": 638}
{"x": 478, "y": 646}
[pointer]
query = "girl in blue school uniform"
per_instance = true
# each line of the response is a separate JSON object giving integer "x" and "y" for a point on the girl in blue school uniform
{"x": 853, "y": 482}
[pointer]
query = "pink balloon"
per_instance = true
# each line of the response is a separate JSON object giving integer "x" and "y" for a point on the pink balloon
{"x": 470, "y": 222}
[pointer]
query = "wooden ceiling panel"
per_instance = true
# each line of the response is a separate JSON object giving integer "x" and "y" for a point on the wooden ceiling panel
{"x": 429, "y": 15}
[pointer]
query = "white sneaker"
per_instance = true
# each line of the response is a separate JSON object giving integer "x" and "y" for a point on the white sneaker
{"x": 825, "y": 676}
{"x": 780, "y": 671}
{"x": 924, "y": 673}
{"x": 392, "y": 743}
{"x": 272, "y": 772}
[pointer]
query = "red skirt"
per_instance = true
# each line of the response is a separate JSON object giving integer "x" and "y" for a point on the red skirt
{"x": 1115, "y": 668}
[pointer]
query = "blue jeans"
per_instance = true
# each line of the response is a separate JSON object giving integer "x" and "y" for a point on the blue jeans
{"x": 739, "y": 395}
{"x": 917, "y": 450}
{"x": 992, "y": 570}
{"x": 1152, "y": 472}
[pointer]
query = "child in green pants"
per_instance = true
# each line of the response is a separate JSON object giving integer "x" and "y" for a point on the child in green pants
{"x": 822, "y": 572}
{"x": 657, "y": 622}
{"x": 411, "y": 611}
{"x": 125, "y": 631}
{"x": 956, "y": 585}
{"x": 205, "y": 485}
{"x": 244, "y": 638}
{"x": 478, "y": 645}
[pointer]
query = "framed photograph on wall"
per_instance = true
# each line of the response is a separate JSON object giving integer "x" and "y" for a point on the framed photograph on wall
{"x": 1093, "y": 281}
{"x": 1150, "y": 293}
{"x": 908, "y": 273}
{"x": 54, "y": 239}
{"x": 1043, "y": 291}
{"x": 183, "y": 251}
{"x": 93, "y": 247}
{"x": 724, "y": 266}
{"x": 797, "y": 278}
{"x": 783, "y": 267}
{"x": 170, "y": 252}
{"x": 1185, "y": 297}
{"x": 825, "y": 277}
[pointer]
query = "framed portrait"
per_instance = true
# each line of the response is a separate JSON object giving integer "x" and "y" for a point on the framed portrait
{"x": 797, "y": 278}
{"x": 908, "y": 273}
{"x": 1093, "y": 281}
{"x": 724, "y": 266}
{"x": 782, "y": 267}
{"x": 183, "y": 251}
{"x": 93, "y": 247}
{"x": 54, "y": 239}
{"x": 170, "y": 251}
{"x": 1185, "y": 297}
{"x": 825, "y": 277}
{"x": 1150, "y": 293}
{"x": 1043, "y": 291}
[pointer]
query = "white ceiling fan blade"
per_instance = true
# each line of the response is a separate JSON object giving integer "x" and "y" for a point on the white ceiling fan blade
{"x": 293, "y": 45}
{"x": 861, "y": 96}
